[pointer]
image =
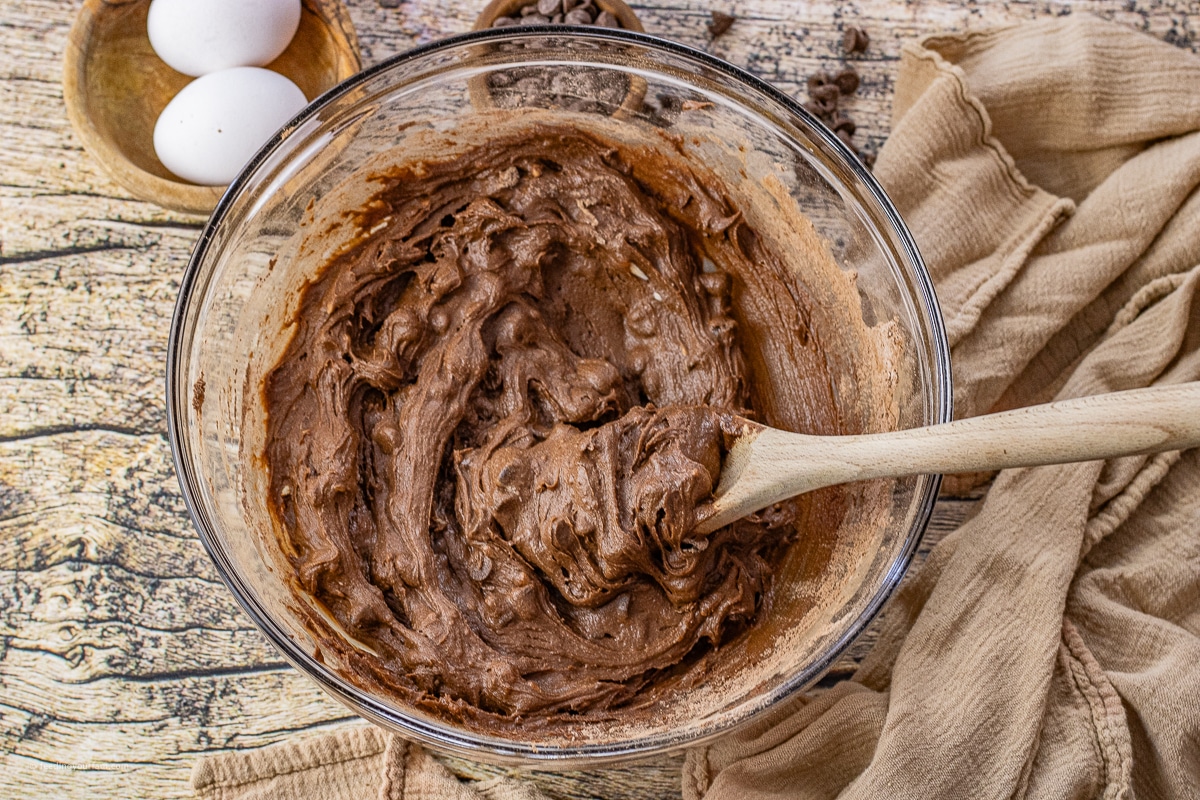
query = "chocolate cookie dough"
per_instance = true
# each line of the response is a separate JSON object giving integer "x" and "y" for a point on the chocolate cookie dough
{"x": 499, "y": 413}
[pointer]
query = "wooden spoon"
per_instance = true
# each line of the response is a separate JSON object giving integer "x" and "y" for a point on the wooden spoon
{"x": 115, "y": 86}
{"x": 765, "y": 465}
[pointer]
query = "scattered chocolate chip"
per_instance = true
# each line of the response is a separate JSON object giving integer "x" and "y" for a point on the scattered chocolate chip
{"x": 826, "y": 93}
{"x": 846, "y": 81}
{"x": 537, "y": 19}
{"x": 389, "y": 3}
{"x": 577, "y": 16}
{"x": 818, "y": 79}
{"x": 606, "y": 20}
{"x": 695, "y": 105}
{"x": 824, "y": 109}
{"x": 855, "y": 40}
{"x": 557, "y": 19}
{"x": 567, "y": 5}
{"x": 503, "y": 22}
{"x": 529, "y": 9}
{"x": 548, "y": 8}
{"x": 721, "y": 23}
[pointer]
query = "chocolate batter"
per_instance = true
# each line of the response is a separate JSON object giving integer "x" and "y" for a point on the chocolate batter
{"x": 499, "y": 413}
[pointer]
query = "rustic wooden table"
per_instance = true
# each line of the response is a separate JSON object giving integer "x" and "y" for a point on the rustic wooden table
{"x": 122, "y": 655}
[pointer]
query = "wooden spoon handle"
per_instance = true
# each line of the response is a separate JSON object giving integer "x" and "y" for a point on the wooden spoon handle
{"x": 773, "y": 465}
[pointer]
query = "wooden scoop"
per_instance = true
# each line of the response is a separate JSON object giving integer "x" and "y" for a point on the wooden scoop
{"x": 765, "y": 465}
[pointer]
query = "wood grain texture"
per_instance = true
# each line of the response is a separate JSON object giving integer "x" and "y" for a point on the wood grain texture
{"x": 122, "y": 656}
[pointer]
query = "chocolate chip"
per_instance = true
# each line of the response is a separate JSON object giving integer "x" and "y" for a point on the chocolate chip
{"x": 820, "y": 111}
{"x": 537, "y": 19}
{"x": 855, "y": 40}
{"x": 846, "y": 124}
{"x": 503, "y": 22}
{"x": 846, "y": 137}
{"x": 578, "y": 16}
{"x": 720, "y": 23}
{"x": 847, "y": 81}
{"x": 389, "y": 3}
{"x": 556, "y": 19}
{"x": 818, "y": 79}
{"x": 529, "y": 9}
{"x": 567, "y": 5}
{"x": 548, "y": 8}
{"x": 606, "y": 20}
{"x": 827, "y": 94}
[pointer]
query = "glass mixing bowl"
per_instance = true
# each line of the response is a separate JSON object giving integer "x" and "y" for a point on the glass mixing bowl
{"x": 268, "y": 235}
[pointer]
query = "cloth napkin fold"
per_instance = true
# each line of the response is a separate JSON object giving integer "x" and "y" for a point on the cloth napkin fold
{"x": 1050, "y": 647}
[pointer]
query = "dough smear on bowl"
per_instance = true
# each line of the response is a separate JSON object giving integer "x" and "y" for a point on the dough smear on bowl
{"x": 499, "y": 410}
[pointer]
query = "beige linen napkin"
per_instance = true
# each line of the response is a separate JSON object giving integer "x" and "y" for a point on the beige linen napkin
{"x": 1049, "y": 648}
{"x": 358, "y": 763}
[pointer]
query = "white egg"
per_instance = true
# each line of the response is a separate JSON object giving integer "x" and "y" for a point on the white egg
{"x": 197, "y": 37}
{"x": 208, "y": 131}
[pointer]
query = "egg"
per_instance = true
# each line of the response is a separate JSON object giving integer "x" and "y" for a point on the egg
{"x": 197, "y": 37}
{"x": 208, "y": 131}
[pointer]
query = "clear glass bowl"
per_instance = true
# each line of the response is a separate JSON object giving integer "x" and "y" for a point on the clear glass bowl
{"x": 258, "y": 248}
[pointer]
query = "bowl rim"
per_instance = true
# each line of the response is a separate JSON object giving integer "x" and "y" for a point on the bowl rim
{"x": 440, "y": 735}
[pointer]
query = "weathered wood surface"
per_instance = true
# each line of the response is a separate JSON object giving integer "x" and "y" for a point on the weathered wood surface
{"x": 122, "y": 656}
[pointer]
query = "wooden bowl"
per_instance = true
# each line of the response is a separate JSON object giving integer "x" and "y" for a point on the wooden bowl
{"x": 115, "y": 86}
{"x": 504, "y": 8}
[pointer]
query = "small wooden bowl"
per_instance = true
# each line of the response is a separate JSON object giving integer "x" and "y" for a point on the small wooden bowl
{"x": 506, "y": 8}
{"x": 115, "y": 86}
